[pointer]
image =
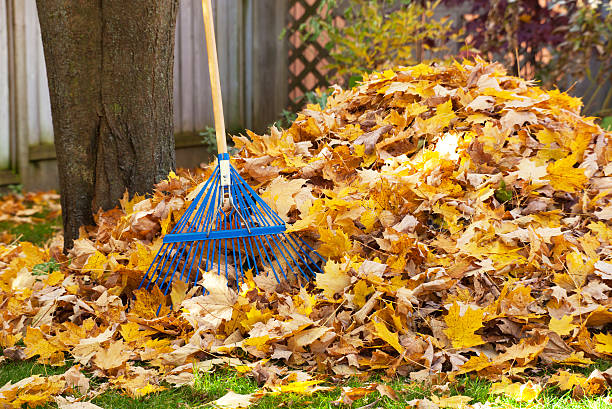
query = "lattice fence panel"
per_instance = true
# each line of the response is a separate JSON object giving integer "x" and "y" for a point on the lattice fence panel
{"x": 307, "y": 60}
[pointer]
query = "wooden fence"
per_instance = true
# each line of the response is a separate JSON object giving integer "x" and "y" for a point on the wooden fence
{"x": 253, "y": 69}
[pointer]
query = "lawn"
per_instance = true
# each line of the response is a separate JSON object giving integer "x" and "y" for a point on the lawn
{"x": 209, "y": 386}
{"x": 33, "y": 217}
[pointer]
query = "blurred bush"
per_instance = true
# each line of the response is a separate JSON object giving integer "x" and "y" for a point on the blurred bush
{"x": 558, "y": 42}
{"x": 562, "y": 43}
{"x": 368, "y": 36}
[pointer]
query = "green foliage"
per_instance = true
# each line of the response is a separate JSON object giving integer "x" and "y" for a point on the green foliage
{"x": 503, "y": 194}
{"x": 37, "y": 233}
{"x": 209, "y": 139}
{"x": 317, "y": 97}
{"x": 606, "y": 123}
{"x": 213, "y": 385}
{"x": 367, "y": 36}
{"x": 556, "y": 42}
{"x": 588, "y": 39}
{"x": 286, "y": 119}
{"x": 46, "y": 268}
{"x": 15, "y": 189}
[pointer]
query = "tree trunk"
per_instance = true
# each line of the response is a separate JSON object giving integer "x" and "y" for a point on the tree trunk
{"x": 110, "y": 66}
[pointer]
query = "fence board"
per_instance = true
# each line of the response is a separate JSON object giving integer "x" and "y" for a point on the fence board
{"x": 252, "y": 66}
{"x": 19, "y": 79}
{"x": 185, "y": 54}
{"x": 193, "y": 91}
{"x": 230, "y": 37}
{"x": 30, "y": 72}
{"x": 268, "y": 64}
{"x": 201, "y": 80}
{"x": 4, "y": 90}
{"x": 44, "y": 100}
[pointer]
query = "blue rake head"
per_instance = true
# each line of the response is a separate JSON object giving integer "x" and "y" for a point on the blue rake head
{"x": 229, "y": 229}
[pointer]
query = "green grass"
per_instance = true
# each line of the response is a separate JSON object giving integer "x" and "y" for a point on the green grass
{"x": 38, "y": 233}
{"x": 16, "y": 371}
{"x": 184, "y": 397}
{"x": 210, "y": 386}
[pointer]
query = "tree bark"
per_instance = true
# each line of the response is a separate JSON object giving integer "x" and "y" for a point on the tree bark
{"x": 110, "y": 71}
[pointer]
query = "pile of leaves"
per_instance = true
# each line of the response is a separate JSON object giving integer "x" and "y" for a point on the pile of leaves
{"x": 465, "y": 218}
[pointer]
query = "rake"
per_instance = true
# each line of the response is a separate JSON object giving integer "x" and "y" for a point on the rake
{"x": 228, "y": 228}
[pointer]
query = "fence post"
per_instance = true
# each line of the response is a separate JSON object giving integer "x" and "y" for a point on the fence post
{"x": 4, "y": 90}
{"x": 20, "y": 87}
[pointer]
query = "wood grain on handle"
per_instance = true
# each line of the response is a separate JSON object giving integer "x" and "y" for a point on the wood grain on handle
{"x": 213, "y": 69}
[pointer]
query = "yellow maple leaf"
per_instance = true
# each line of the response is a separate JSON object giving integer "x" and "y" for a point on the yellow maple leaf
{"x": 368, "y": 218}
{"x": 148, "y": 302}
{"x": 95, "y": 264}
{"x": 255, "y": 315}
{"x": 391, "y": 338}
{"x": 564, "y": 176}
{"x": 452, "y": 402}
{"x": 562, "y": 326}
{"x": 131, "y": 332}
{"x": 603, "y": 343}
{"x": 334, "y": 278}
{"x": 334, "y": 244}
{"x": 575, "y": 358}
{"x": 36, "y": 344}
{"x": 55, "y": 278}
{"x": 148, "y": 389}
{"x": 475, "y": 364}
{"x": 8, "y": 340}
{"x": 361, "y": 291}
{"x": 604, "y": 233}
{"x": 566, "y": 380}
{"x": 461, "y": 328}
{"x": 300, "y": 387}
{"x": 578, "y": 268}
{"x": 141, "y": 258}
{"x": 33, "y": 254}
{"x": 521, "y": 392}
{"x": 112, "y": 357}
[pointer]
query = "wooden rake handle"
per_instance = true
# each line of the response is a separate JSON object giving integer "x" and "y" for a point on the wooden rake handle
{"x": 213, "y": 69}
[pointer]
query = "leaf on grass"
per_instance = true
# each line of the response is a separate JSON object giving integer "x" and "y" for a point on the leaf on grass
{"x": 520, "y": 392}
{"x": 233, "y": 400}
{"x": 452, "y": 402}
{"x": 566, "y": 380}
